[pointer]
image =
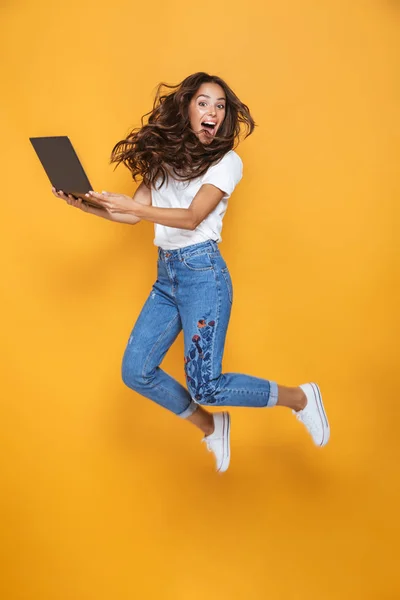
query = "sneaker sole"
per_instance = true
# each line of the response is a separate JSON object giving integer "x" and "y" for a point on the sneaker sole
{"x": 322, "y": 414}
{"x": 226, "y": 431}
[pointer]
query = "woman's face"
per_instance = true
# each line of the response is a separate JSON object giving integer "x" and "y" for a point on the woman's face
{"x": 208, "y": 105}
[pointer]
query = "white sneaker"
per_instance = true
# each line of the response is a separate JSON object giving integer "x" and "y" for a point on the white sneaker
{"x": 313, "y": 415}
{"x": 218, "y": 441}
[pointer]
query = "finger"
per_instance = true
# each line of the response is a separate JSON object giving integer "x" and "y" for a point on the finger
{"x": 101, "y": 198}
{"x": 73, "y": 200}
{"x": 80, "y": 204}
{"x": 102, "y": 202}
{"x": 97, "y": 195}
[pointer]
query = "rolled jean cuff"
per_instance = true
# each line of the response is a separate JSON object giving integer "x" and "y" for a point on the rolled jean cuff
{"x": 189, "y": 410}
{"x": 273, "y": 394}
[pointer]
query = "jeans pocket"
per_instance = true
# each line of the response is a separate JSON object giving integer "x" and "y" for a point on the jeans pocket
{"x": 228, "y": 281}
{"x": 198, "y": 262}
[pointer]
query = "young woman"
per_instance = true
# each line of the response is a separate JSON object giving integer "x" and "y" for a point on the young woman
{"x": 189, "y": 169}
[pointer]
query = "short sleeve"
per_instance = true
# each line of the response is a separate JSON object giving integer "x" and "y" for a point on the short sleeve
{"x": 226, "y": 174}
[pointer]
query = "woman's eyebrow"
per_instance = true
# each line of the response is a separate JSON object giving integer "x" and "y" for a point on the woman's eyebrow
{"x": 205, "y": 95}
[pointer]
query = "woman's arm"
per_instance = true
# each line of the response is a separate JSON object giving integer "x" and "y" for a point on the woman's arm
{"x": 205, "y": 201}
{"x": 142, "y": 195}
{"x": 172, "y": 217}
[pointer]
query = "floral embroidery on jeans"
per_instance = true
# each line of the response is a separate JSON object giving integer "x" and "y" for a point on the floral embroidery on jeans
{"x": 198, "y": 361}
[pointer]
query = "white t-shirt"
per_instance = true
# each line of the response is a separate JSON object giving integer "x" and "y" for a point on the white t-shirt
{"x": 225, "y": 175}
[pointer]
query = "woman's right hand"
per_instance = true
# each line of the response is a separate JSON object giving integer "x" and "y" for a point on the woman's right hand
{"x": 79, "y": 203}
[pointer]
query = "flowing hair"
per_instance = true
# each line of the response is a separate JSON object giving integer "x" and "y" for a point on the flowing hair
{"x": 168, "y": 140}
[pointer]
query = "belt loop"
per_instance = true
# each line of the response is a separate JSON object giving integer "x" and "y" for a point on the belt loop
{"x": 179, "y": 254}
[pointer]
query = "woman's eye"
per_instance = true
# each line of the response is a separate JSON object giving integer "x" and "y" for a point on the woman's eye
{"x": 222, "y": 106}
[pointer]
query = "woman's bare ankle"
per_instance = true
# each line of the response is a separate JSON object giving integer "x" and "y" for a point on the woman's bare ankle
{"x": 291, "y": 397}
{"x": 203, "y": 420}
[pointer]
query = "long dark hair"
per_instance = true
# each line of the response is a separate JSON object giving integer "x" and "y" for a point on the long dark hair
{"x": 168, "y": 139}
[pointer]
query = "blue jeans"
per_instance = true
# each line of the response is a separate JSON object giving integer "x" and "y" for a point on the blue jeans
{"x": 193, "y": 292}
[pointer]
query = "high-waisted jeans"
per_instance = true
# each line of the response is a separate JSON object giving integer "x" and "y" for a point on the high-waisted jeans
{"x": 193, "y": 292}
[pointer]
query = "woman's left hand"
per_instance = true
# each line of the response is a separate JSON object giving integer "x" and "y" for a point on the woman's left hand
{"x": 115, "y": 202}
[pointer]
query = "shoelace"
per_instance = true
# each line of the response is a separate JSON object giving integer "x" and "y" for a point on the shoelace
{"x": 209, "y": 444}
{"x": 307, "y": 420}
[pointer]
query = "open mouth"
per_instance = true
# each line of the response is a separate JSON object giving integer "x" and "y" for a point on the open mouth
{"x": 209, "y": 128}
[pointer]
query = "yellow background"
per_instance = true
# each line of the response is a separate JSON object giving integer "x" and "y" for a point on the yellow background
{"x": 106, "y": 495}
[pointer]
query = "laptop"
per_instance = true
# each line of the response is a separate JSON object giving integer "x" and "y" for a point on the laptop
{"x": 63, "y": 167}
